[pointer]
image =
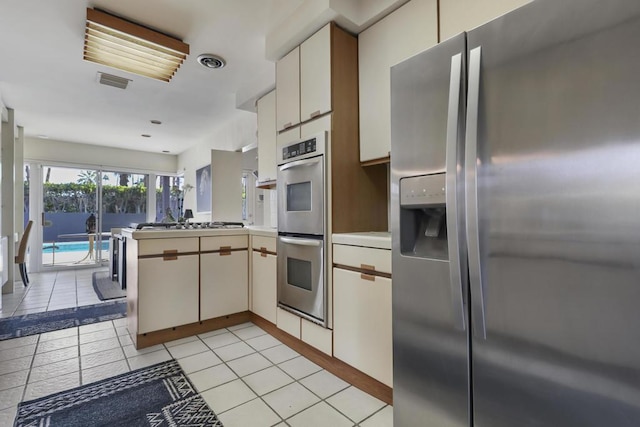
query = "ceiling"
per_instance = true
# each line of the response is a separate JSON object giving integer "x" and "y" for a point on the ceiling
{"x": 55, "y": 93}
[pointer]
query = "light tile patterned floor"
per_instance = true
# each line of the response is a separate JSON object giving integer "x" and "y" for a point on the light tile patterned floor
{"x": 51, "y": 291}
{"x": 247, "y": 377}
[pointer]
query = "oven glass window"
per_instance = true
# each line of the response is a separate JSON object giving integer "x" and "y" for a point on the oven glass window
{"x": 299, "y": 197}
{"x": 299, "y": 273}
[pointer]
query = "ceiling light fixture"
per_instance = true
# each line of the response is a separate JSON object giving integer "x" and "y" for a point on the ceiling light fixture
{"x": 209, "y": 60}
{"x": 121, "y": 44}
{"x": 156, "y": 122}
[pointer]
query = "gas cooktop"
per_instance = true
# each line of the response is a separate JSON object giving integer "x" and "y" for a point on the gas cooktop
{"x": 187, "y": 225}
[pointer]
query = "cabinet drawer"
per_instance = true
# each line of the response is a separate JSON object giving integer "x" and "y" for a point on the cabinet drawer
{"x": 215, "y": 243}
{"x": 269, "y": 243}
{"x": 357, "y": 257}
{"x": 159, "y": 246}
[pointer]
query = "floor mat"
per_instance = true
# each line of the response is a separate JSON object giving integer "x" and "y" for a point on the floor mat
{"x": 159, "y": 395}
{"x": 47, "y": 321}
{"x": 106, "y": 288}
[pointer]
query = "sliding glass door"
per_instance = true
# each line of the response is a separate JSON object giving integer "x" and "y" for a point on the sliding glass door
{"x": 81, "y": 207}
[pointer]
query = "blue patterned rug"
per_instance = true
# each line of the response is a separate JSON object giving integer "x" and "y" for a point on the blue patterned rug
{"x": 160, "y": 395}
{"x": 47, "y": 321}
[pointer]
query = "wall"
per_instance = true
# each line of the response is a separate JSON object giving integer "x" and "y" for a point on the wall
{"x": 53, "y": 151}
{"x": 238, "y": 131}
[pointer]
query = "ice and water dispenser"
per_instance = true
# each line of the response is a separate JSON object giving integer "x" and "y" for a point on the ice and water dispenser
{"x": 423, "y": 216}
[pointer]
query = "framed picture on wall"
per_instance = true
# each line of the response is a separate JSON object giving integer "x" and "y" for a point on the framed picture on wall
{"x": 203, "y": 189}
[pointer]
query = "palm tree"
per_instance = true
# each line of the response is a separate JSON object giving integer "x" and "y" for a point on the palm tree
{"x": 87, "y": 177}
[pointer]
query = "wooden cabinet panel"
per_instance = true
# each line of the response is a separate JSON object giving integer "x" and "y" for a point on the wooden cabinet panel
{"x": 362, "y": 333}
{"x": 288, "y": 90}
{"x": 159, "y": 246}
{"x": 264, "y": 286}
{"x": 315, "y": 74}
{"x": 267, "y": 137}
{"x": 400, "y": 35}
{"x": 457, "y": 16}
{"x": 379, "y": 259}
{"x": 217, "y": 242}
{"x": 224, "y": 284}
{"x": 167, "y": 292}
{"x": 269, "y": 243}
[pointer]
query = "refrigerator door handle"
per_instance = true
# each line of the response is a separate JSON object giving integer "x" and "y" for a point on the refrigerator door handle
{"x": 471, "y": 202}
{"x": 453, "y": 223}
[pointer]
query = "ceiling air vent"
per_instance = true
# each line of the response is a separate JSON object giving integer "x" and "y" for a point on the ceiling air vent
{"x": 111, "y": 80}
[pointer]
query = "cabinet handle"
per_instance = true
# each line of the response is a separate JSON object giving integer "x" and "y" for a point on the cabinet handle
{"x": 170, "y": 255}
{"x": 368, "y": 277}
{"x": 263, "y": 251}
{"x": 287, "y": 125}
{"x": 367, "y": 267}
{"x": 315, "y": 114}
{"x": 225, "y": 250}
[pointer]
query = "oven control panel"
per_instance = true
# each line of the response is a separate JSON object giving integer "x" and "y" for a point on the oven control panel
{"x": 299, "y": 149}
{"x": 310, "y": 146}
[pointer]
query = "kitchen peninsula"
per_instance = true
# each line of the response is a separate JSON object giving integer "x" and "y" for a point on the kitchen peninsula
{"x": 186, "y": 282}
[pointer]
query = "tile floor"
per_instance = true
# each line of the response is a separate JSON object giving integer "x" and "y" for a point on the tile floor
{"x": 247, "y": 377}
{"x": 51, "y": 291}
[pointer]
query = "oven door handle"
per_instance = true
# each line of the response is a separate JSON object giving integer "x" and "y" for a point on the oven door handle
{"x": 304, "y": 162}
{"x": 301, "y": 242}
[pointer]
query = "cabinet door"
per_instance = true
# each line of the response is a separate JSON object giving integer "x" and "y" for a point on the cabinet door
{"x": 315, "y": 74}
{"x": 288, "y": 90}
{"x": 400, "y": 35}
{"x": 224, "y": 284}
{"x": 167, "y": 292}
{"x": 289, "y": 136}
{"x": 457, "y": 16}
{"x": 267, "y": 137}
{"x": 362, "y": 324}
{"x": 263, "y": 286}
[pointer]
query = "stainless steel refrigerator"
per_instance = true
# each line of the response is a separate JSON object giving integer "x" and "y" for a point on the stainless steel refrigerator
{"x": 515, "y": 209}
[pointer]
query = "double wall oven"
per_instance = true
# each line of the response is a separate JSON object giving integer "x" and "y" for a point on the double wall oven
{"x": 302, "y": 224}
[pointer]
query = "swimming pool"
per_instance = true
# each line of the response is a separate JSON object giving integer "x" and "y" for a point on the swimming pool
{"x": 72, "y": 247}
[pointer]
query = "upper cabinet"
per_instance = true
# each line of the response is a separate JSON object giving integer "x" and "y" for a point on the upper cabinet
{"x": 288, "y": 90}
{"x": 308, "y": 78}
{"x": 400, "y": 35}
{"x": 315, "y": 74}
{"x": 267, "y": 137}
{"x": 457, "y": 16}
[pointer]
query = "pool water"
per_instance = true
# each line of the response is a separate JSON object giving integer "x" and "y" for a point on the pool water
{"x": 72, "y": 247}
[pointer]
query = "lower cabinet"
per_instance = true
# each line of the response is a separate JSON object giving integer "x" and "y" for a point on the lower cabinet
{"x": 263, "y": 285}
{"x": 168, "y": 292}
{"x": 362, "y": 332}
{"x": 224, "y": 276}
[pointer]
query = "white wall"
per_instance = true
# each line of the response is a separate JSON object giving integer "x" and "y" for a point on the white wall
{"x": 53, "y": 151}
{"x": 237, "y": 132}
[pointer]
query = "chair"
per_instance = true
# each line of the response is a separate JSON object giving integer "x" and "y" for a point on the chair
{"x": 22, "y": 253}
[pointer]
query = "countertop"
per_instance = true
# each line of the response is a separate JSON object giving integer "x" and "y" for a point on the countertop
{"x": 198, "y": 232}
{"x": 373, "y": 239}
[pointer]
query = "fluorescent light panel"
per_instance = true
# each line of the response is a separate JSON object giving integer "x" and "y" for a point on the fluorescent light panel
{"x": 121, "y": 44}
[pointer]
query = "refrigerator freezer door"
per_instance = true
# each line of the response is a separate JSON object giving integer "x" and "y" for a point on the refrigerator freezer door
{"x": 558, "y": 215}
{"x": 430, "y": 348}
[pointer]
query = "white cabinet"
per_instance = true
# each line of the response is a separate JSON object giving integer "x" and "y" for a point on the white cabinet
{"x": 315, "y": 74}
{"x": 224, "y": 276}
{"x": 362, "y": 321}
{"x": 288, "y": 136}
{"x": 167, "y": 292}
{"x": 263, "y": 280}
{"x": 457, "y": 16}
{"x": 288, "y": 90}
{"x": 400, "y": 35}
{"x": 267, "y": 137}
